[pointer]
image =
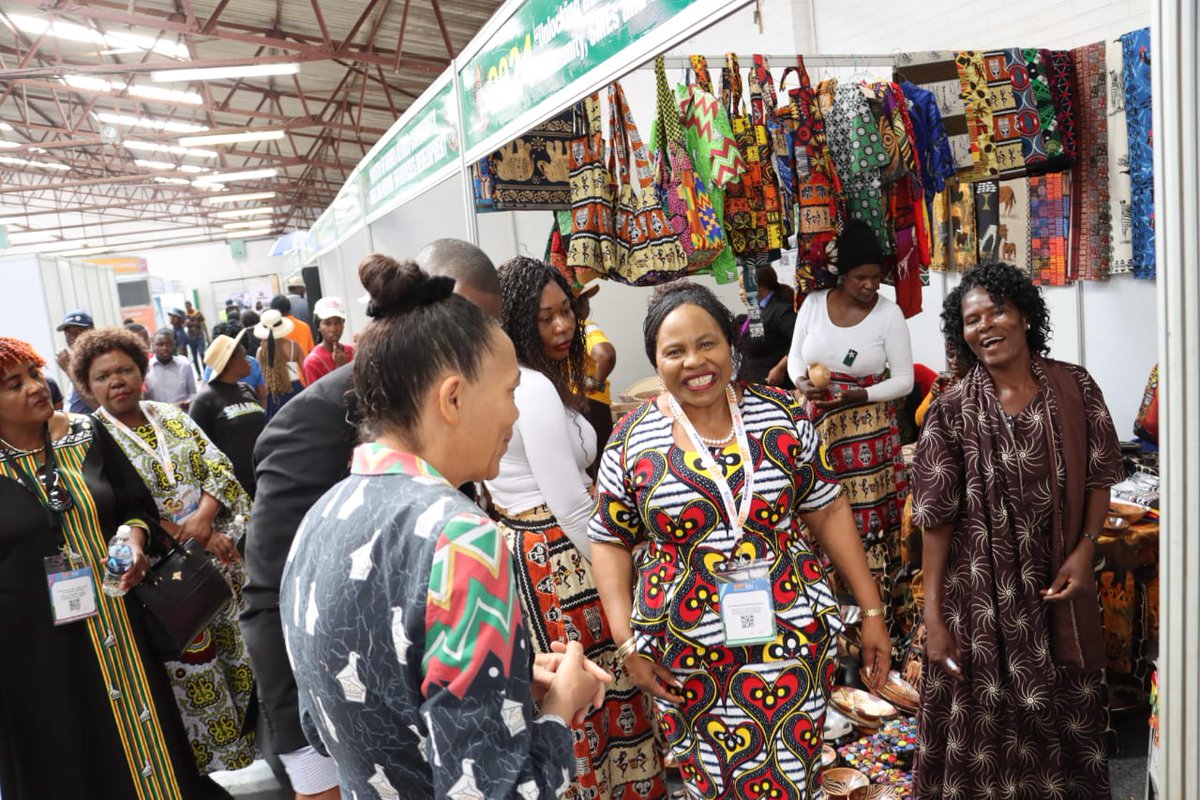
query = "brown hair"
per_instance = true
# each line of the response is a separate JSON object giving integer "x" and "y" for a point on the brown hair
{"x": 99, "y": 341}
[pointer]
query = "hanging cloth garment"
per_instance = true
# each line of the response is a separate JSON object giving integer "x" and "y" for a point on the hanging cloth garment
{"x": 1025, "y": 111}
{"x": 1091, "y": 218}
{"x": 592, "y": 239}
{"x": 1062, "y": 82}
{"x": 714, "y": 153}
{"x": 977, "y": 100}
{"x": 1120, "y": 187}
{"x": 1013, "y": 201}
{"x": 765, "y": 103}
{"x": 937, "y": 72}
{"x": 931, "y": 143}
{"x": 818, "y": 188}
{"x": 753, "y": 220}
{"x": 962, "y": 233}
{"x": 858, "y": 155}
{"x": 1049, "y": 218}
{"x": 1136, "y": 49}
{"x": 1039, "y": 81}
{"x": 1006, "y": 128}
{"x": 987, "y": 220}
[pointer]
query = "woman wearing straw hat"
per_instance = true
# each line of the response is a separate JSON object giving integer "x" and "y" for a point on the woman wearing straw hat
{"x": 281, "y": 359}
{"x": 227, "y": 409}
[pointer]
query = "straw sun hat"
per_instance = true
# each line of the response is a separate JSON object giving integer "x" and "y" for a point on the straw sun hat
{"x": 270, "y": 322}
{"x": 219, "y": 352}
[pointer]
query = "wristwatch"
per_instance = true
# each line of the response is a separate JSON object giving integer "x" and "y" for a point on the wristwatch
{"x": 1093, "y": 535}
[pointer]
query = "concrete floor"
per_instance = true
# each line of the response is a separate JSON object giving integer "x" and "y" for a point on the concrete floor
{"x": 1127, "y": 768}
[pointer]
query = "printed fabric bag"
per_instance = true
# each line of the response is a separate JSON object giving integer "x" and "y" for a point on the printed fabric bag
{"x": 764, "y": 105}
{"x": 680, "y": 188}
{"x": 753, "y": 219}
{"x": 647, "y": 250}
{"x": 592, "y": 238}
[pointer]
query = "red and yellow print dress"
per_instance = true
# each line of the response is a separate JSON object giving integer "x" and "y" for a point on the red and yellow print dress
{"x": 751, "y": 718}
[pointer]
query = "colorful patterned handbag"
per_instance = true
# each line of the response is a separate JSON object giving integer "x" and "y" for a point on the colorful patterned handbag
{"x": 592, "y": 244}
{"x": 647, "y": 250}
{"x": 765, "y": 103}
{"x": 752, "y": 209}
{"x": 680, "y": 188}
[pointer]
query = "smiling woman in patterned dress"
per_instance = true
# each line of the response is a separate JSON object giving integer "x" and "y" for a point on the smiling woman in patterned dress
{"x": 1012, "y": 480}
{"x": 398, "y": 602}
{"x": 742, "y": 709}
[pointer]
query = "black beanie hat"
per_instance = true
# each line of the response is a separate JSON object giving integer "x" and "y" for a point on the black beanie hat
{"x": 857, "y": 245}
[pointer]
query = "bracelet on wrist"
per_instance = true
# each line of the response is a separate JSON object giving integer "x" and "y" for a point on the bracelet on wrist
{"x": 877, "y": 611}
{"x": 1092, "y": 536}
{"x": 626, "y": 649}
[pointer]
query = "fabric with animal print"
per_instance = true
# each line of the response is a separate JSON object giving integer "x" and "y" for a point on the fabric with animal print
{"x": 750, "y": 720}
{"x": 987, "y": 220}
{"x": 962, "y": 231}
{"x": 615, "y": 747}
{"x": 1013, "y": 199}
{"x": 1018, "y": 724}
{"x": 1136, "y": 48}
{"x": 1120, "y": 188}
{"x": 534, "y": 171}
{"x": 978, "y": 103}
{"x": 1091, "y": 223}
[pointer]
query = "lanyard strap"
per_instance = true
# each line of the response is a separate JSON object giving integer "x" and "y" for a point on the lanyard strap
{"x": 30, "y": 482}
{"x": 732, "y": 512}
{"x": 162, "y": 456}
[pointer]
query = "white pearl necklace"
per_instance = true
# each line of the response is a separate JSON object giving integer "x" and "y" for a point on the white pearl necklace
{"x": 678, "y": 413}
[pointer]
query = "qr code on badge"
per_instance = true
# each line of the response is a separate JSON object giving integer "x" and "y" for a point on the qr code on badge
{"x": 74, "y": 604}
{"x": 747, "y": 620}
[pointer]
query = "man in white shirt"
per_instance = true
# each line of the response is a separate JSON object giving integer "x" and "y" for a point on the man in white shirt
{"x": 170, "y": 378}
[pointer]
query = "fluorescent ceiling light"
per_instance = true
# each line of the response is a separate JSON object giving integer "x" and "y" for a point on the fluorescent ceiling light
{"x": 145, "y": 92}
{"x": 231, "y": 138}
{"x": 147, "y": 122}
{"x": 148, "y": 164}
{"x": 8, "y": 145}
{"x": 237, "y": 198}
{"x": 4, "y": 126}
{"x": 32, "y": 237}
{"x": 240, "y": 212}
{"x": 220, "y": 73}
{"x": 248, "y": 175}
{"x": 177, "y": 181}
{"x": 28, "y": 162}
{"x": 253, "y": 223}
{"x": 69, "y": 31}
{"x": 173, "y": 149}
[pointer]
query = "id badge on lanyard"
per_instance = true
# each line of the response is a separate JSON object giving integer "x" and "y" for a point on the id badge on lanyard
{"x": 744, "y": 593}
{"x": 747, "y": 603}
{"x": 72, "y": 589}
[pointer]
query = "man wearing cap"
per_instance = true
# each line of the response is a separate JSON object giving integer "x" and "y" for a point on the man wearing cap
{"x": 176, "y": 317}
{"x": 72, "y": 326}
{"x": 330, "y": 353}
{"x": 170, "y": 378}
{"x": 601, "y": 360}
{"x": 295, "y": 293}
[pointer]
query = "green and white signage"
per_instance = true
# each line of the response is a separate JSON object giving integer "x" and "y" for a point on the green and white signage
{"x": 548, "y": 53}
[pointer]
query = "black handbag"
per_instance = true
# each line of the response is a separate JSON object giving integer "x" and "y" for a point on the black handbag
{"x": 183, "y": 592}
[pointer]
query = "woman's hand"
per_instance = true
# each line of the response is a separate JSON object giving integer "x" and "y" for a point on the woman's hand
{"x": 574, "y": 688}
{"x": 139, "y": 569}
{"x": 196, "y": 525}
{"x": 545, "y": 665}
{"x": 876, "y": 652}
{"x": 650, "y": 677}
{"x": 778, "y": 374}
{"x": 846, "y": 398}
{"x": 805, "y": 390}
{"x": 223, "y": 547}
{"x": 941, "y": 649}
{"x": 1074, "y": 574}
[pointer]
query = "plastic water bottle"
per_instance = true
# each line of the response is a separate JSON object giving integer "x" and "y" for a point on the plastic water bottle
{"x": 120, "y": 560}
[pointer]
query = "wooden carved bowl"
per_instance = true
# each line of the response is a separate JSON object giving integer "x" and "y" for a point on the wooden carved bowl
{"x": 844, "y": 783}
{"x": 1130, "y": 512}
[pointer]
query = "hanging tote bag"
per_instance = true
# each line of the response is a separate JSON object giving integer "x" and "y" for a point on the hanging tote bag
{"x": 648, "y": 251}
{"x": 681, "y": 189}
{"x": 592, "y": 242}
{"x": 752, "y": 212}
{"x": 764, "y": 104}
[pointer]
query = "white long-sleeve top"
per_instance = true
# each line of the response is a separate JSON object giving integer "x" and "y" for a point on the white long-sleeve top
{"x": 547, "y": 460}
{"x": 880, "y": 341}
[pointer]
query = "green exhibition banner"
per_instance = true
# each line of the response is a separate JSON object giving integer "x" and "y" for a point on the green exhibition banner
{"x": 547, "y": 45}
{"x": 425, "y": 144}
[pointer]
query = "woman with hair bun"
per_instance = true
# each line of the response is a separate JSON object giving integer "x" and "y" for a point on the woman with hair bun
{"x": 1011, "y": 485}
{"x": 723, "y": 610}
{"x": 542, "y": 499}
{"x": 399, "y": 605}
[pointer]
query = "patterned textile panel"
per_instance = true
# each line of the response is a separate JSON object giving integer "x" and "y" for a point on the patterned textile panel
{"x": 1014, "y": 222}
{"x": 1049, "y": 219}
{"x": 977, "y": 100}
{"x": 1091, "y": 229}
{"x": 1006, "y": 120}
{"x": 935, "y": 71}
{"x": 1120, "y": 187}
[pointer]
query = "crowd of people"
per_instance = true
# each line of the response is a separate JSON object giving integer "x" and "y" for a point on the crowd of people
{"x": 453, "y": 576}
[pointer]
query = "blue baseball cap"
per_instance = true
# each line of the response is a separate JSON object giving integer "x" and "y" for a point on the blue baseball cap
{"x": 77, "y": 319}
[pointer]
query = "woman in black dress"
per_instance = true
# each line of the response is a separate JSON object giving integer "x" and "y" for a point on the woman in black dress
{"x": 86, "y": 710}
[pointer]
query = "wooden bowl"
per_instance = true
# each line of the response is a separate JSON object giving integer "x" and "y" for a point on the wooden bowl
{"x": 843, "y": 782}
{"x": 900, "y": 693}
{"x": 861, "y": 707}
{"x": 1115, "y": 523}
{"x": 881, "y": 791}
{"x": 1130, "y": 512}
{"x": 829, "y": 757}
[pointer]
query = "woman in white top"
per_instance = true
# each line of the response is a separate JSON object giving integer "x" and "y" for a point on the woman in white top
{"x": 851, "y": 360}
{"x": 542, "y": 501}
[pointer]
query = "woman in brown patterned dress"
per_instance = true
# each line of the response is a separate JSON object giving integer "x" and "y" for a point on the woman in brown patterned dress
{"x": 1011, "y": 484}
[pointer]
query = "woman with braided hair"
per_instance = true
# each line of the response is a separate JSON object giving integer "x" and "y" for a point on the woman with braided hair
{"x": 281, "y": 359}
{"x": 87, "y": 708}
{"x": 543, "y": 502}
